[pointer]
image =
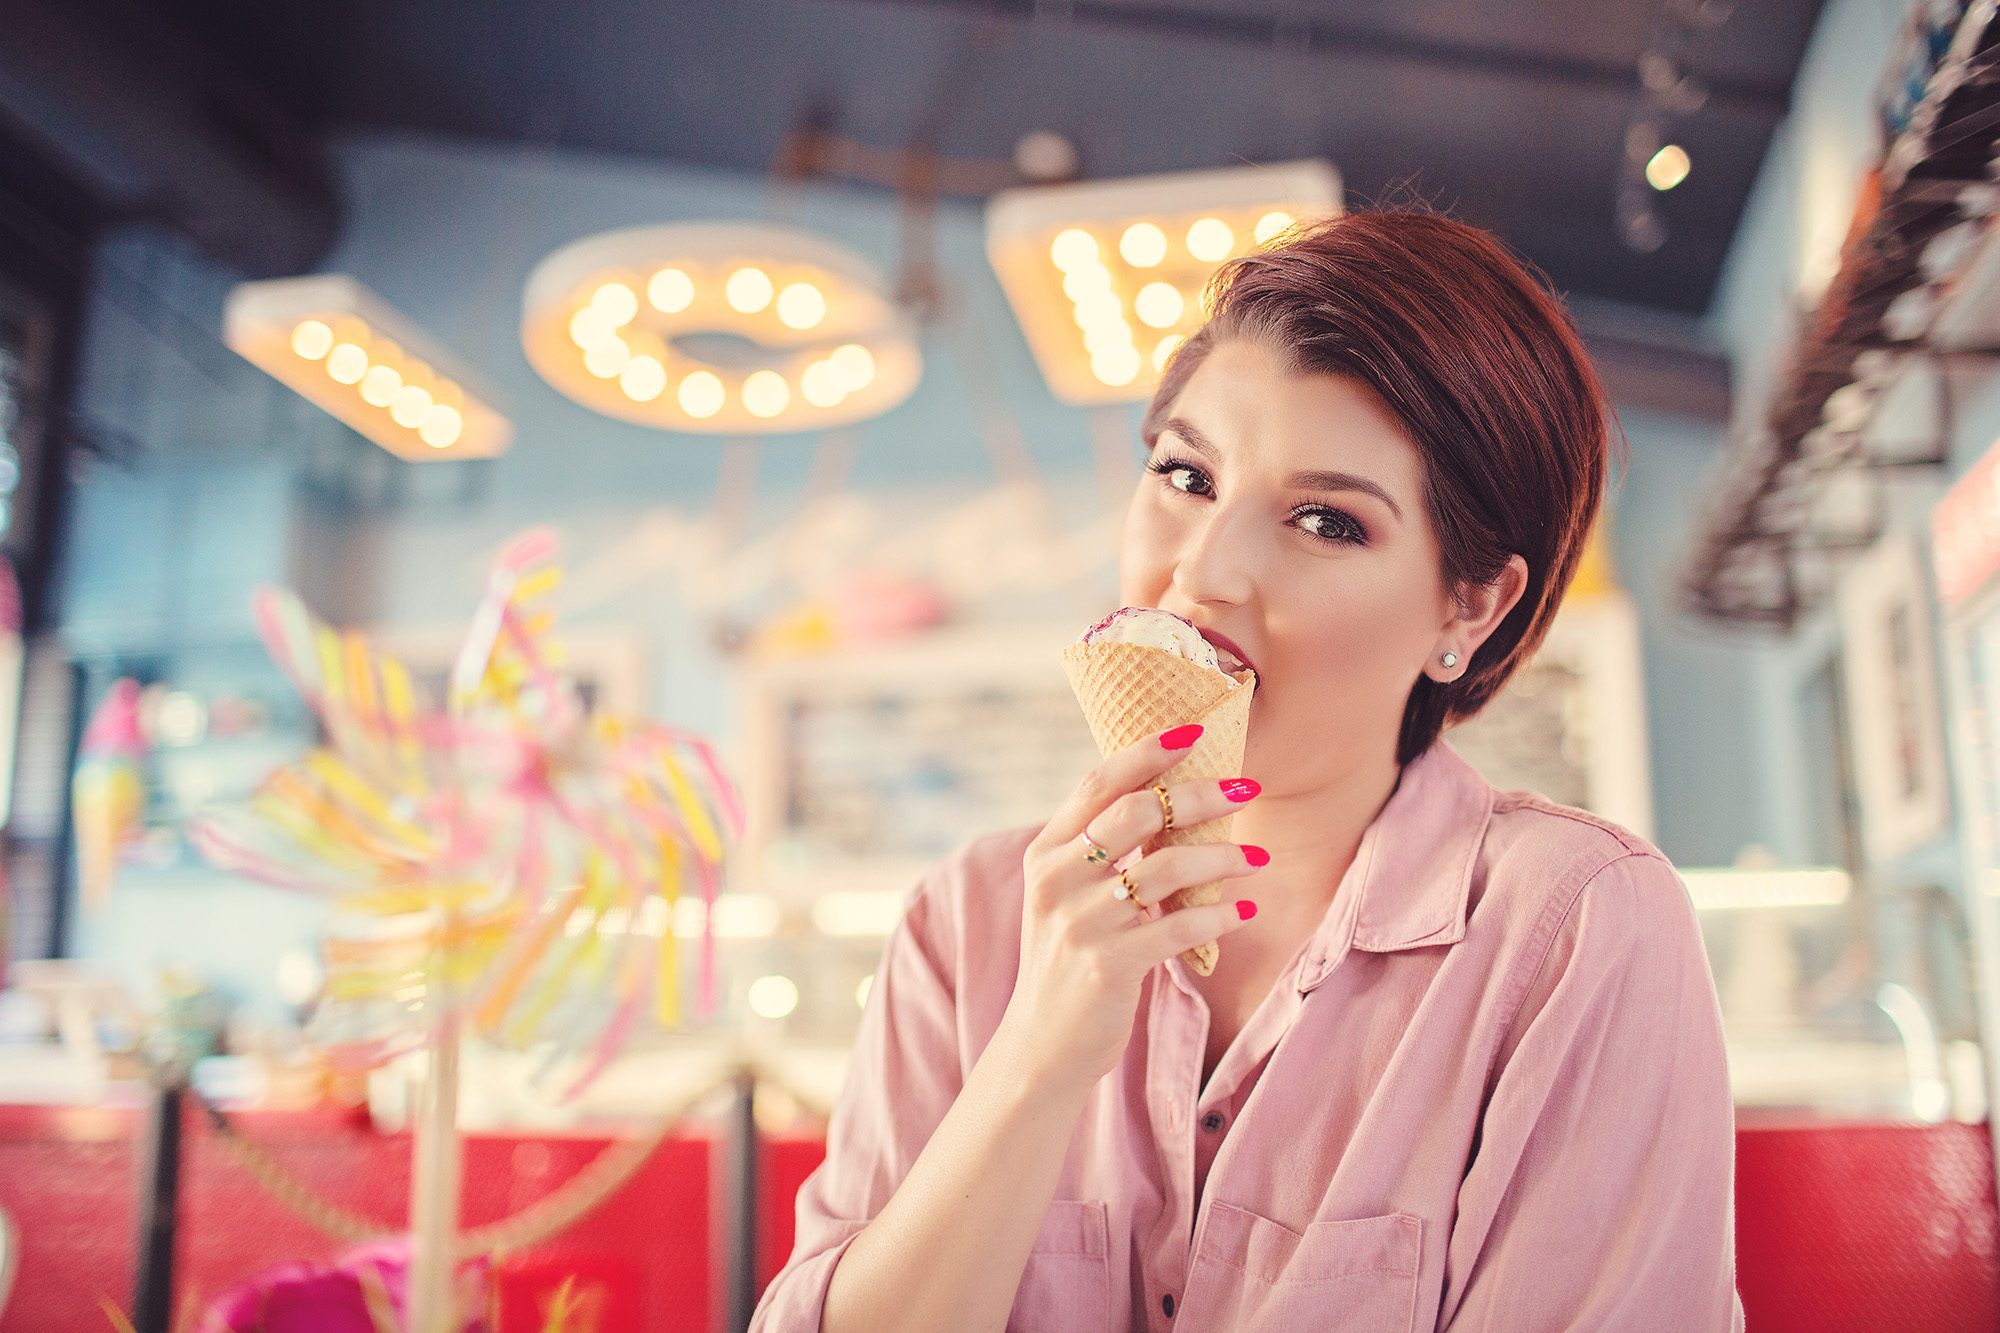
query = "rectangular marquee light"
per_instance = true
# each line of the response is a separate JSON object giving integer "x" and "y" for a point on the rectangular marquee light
{"x": 341, "y": 347}
{"x": 1106, "y": 277}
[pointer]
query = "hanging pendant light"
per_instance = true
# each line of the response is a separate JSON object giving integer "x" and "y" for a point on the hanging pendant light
{"x": 341, "y": 347}
{"x": 1106, "y": 277}
{"x": 720, "y": 329}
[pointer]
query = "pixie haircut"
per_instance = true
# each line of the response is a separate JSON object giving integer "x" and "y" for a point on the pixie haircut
{"x": 1478, "y": 360}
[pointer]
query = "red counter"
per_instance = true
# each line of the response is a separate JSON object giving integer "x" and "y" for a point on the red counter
{"x": 1840, "y": 1226}
{"x": 69, "y": 1179}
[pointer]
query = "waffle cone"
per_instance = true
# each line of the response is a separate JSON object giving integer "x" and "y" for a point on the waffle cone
{"x": 1129, "y": 690}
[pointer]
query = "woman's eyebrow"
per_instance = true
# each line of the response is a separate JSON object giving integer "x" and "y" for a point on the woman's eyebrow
{"x": 1311, "y": 481}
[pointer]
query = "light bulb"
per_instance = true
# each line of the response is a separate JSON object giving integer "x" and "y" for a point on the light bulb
{"x": 607, "y": 358}
{"x": 766, "y": 394}
{"x": 856, "y": 365}
{"x": 442, "y": 427}
{"x": 822, "y": 384}
{"x": 773, "y": 996}
{"x": 412, "y": 405}
{"x": 1159, "y": 304}
{"x": 1210, "y": 240}
{"x": 643, "y": 379}
{"x": 1668, "y": 167}
{"x": 618, "y": 302}
{"x": 670, "y": 290}
{"x": 380, "y": 385}
{"x": 748, "y": 290}
{"x": 1117, "y": 366}
{"x": 1090, "y": 280}
{"x": 591, "y": 326}
{"x": 801, "y": 306}
{"x": 312, "y": 339}
{"x": 1166, "y": 349}
{"x": 347, "y": 363}
{"x": 701, "y": 394}
{"x": 1099, "y": 308}
{"x": 1271, "y": 224}
{"x": 1073, "y": 248}
{"x": 1143, "y": 245}
{"x": 1101, "y": 337}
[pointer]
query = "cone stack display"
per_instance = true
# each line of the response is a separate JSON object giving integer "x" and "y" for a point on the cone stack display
{"x": 1130, "y": 690}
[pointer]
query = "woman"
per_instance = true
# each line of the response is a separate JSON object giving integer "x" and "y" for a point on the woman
{"x": 1461, "y": 1063}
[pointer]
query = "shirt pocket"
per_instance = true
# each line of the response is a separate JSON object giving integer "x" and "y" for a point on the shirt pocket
{"x": 1067, "y": 1283}
{"x": 1358, "y": 1275}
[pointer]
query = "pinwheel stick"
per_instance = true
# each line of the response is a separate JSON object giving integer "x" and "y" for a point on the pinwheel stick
{"x": 434, "y": 1177}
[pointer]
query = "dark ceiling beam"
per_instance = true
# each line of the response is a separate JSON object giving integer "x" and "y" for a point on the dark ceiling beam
{"x": 152, "y": 127}
{"x": 1678, "y": 380}
{"x": 1654, "y": 358}
{"x": 1320, "y": 37}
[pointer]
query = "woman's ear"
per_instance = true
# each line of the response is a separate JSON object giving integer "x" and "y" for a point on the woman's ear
{"x": 1480, "y": 609}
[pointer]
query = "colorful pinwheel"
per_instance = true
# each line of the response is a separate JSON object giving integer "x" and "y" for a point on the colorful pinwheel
{"x": 512, "y": 855}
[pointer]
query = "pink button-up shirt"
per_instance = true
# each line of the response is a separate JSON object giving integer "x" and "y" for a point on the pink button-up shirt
{"x": 1489, "y": 1092}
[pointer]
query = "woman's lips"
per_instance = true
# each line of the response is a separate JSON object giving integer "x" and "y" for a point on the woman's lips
{"x": 1223, "y": 643}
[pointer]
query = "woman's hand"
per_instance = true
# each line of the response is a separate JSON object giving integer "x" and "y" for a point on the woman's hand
{"x": 1084, "y": 952}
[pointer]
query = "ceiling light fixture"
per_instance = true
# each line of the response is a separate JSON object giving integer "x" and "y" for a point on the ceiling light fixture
{"x": 725, "y": 329}
{"x": 1106, "y": 277}
{"x": 341, "y": 347}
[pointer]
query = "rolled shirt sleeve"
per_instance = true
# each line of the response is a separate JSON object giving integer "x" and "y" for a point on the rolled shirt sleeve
{"x": 903, "y": 1077}
{"x": 1601, "y": 1188}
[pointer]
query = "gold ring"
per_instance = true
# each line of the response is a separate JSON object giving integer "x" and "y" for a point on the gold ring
{"x": 1126, "y": 888}
{"x": 1166, "y": 808}
{"x": 1097, "y": 856}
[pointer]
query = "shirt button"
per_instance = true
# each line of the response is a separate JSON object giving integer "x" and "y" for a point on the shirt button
{"x": 1212, "y": 1121}
{"x": 1167, "y": 1304}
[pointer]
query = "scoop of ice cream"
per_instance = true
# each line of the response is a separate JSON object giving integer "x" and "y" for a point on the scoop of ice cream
{"x": 1151, "y": 627}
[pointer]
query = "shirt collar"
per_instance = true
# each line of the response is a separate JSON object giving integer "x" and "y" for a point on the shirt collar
{"x": 1411, "y": 877}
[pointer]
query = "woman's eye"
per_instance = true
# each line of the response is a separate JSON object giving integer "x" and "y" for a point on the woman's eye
{"x": 1335, "y": 526}
{"x": 1173, "y": 471}
{"x": 1179, "y": 475}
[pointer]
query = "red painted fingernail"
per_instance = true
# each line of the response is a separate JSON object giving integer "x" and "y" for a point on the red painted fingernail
{"x": 1181, "y": 737}
{"x": 1240, "y": 789}
{"x": 1245, "y": 908}
{"x": 1256, "y": 855}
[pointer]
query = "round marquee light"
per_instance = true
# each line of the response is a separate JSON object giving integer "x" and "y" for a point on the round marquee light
{"x": 719, "y": 329}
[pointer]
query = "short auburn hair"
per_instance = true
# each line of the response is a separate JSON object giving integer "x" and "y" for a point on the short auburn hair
{"x": 1473, "y": 352}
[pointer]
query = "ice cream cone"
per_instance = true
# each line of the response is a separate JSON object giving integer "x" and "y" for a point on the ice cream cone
{"x": 1130, "y": 690}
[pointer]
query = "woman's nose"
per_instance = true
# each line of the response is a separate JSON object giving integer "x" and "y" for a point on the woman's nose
{"x": 1218, "y": 558}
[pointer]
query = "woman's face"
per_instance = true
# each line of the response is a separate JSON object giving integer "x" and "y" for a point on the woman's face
{"x": 1329, "y": 585}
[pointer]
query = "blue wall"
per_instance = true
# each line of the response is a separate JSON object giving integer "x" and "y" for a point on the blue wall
{"x": 1784, "y": 252}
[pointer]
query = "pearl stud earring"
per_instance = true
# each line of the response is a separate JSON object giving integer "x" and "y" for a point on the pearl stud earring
{"x": 1449, "y": 659}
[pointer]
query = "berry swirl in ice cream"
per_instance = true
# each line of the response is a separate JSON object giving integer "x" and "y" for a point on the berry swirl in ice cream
{"x": 1150, "y": 627}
